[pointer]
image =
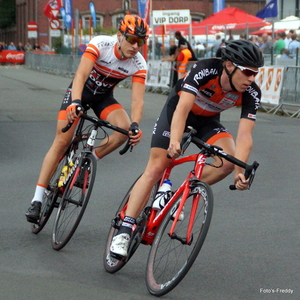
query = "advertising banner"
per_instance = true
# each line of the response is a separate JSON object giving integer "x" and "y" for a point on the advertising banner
{"x": 13, "y": 57}
{"x": 269, "y": 81}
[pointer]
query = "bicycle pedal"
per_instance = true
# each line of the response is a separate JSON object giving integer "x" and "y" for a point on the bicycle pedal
{"x": 116, "y": 256}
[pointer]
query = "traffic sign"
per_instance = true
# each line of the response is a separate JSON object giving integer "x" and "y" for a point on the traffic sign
{"x": 32, "y": 30}
{"x": 32, "y": 26}
{"x": 54, "y": 24}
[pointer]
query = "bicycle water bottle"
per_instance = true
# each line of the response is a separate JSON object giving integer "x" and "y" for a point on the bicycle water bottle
{"x": 64, "y": 173}
{"x": 163, "y": 195}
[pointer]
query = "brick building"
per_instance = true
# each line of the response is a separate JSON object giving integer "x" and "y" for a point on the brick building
{"x": 109, "y": 13}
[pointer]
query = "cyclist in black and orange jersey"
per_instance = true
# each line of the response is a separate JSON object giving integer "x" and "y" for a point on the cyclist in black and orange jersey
{"x": 211, "y": 86}
{"x": 105, "y": 62}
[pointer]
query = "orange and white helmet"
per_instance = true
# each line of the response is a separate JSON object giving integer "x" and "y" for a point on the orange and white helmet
{"x": 134, "y": 25}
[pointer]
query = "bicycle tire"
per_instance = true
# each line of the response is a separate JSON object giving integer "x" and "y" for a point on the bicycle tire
{"x": 111, "y": 264}
{"x": 169, "y": 259}
{"x": 50, "y": 197}
{"x": 74, "y": 201}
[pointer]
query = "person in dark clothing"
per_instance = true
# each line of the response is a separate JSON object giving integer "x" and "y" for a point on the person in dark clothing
{"x": 172, "y": 58}
{"x": 183, "y": 41}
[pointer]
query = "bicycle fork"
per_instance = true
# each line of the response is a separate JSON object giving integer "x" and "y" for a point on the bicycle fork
{"x": 191, "y": 188}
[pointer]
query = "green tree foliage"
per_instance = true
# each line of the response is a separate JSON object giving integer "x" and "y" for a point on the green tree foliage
{"x": 7, "y": 13}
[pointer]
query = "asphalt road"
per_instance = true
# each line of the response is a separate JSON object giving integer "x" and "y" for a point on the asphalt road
{"x": 252, "y": 248}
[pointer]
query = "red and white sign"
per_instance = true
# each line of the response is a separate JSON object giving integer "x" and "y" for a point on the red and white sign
{"x": 52, "y": 8}
{"x": 8, "y": 56}
{"x": 32, "y": 28}
{"x": 54, "y": 24}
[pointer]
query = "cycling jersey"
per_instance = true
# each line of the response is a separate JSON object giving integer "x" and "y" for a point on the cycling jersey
{"x": 109, "y": 68}
{"x": 203, "y": 81}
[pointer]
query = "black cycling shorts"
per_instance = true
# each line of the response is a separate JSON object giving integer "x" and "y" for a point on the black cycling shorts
{"x": 102, "y": 105}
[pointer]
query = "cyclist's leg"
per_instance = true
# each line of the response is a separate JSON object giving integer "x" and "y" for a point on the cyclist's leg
{"x": 157, "y": 163}
{"x": 49, "y": 165}
{"x": 139, "y": 196}
{"x": 214, "y": 175}
{"x": 109, "y": 109}
{"x": 140, "y": 193}
{"x": 120, "y": 118}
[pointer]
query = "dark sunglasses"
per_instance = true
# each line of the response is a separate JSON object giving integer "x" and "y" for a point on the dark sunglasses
{"x": 247, "y": 71}
{"x": 133, "y": 40}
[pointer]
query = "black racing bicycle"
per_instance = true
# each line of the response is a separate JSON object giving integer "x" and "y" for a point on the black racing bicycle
{"x": 71, "y": 185}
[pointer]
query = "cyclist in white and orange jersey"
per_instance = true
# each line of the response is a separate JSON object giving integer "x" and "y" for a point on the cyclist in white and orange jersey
{"x": 105, "y": 62}
{"x": 210, "y": 87}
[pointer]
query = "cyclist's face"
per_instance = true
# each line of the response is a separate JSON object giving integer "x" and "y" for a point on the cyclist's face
{"x": 242, "y": 77}
{"x": 129, "y": 45}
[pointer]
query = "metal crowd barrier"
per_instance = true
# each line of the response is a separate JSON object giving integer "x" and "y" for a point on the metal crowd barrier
{"x": 159, "y": 78}
{"x": 289, "y": 102}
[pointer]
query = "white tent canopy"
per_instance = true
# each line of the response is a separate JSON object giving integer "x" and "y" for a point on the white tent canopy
{"x": 291, "y": 22}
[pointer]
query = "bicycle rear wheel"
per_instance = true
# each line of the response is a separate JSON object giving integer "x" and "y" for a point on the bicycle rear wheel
{"x": 171, "y": 258}
{"x": 110, "y": 263}
{"x": 49, "y": 199}
{"x": 74, "y": 201}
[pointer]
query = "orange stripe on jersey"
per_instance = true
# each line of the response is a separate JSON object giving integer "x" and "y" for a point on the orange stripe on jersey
{"x": 91, "y": 52}
{"x": 109, "y": 72}
{"x": 106, "y": 111}
{"x": 139, "y": 76}
{"x": 218, "y": 136}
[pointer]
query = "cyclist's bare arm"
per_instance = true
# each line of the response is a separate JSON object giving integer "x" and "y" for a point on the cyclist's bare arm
{"x": 137, "y": 106}
{"x": 242, "y": 152}
{"x": 83, "y": 71}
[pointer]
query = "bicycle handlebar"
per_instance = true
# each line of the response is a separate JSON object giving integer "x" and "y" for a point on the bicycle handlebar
{"x": 215, "y": 150}
{"x": 101, "y": 123}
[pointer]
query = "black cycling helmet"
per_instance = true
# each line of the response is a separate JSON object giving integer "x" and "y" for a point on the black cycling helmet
{"x": 243, "y": 53}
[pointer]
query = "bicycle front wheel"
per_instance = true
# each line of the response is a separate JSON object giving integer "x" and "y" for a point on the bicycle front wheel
{"x": 171, "y": 258}
{"x": 74, "y": 201}
{"x": 50, "y": 197}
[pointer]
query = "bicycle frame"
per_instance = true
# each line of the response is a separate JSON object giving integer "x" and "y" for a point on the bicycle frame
{"x": 155, "y": 219}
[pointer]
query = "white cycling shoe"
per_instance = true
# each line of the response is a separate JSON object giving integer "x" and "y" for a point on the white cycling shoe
{"x": 119, "y": 245}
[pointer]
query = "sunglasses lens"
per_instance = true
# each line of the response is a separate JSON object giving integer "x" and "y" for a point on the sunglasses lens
{"x": 249, "y": 73}
{"x": 133, "y": 40}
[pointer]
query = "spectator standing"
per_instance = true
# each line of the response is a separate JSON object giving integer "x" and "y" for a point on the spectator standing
{"x": 2, "y": 46}
{"x": 279, "y": 44}
{"x": 158, "y": 46}
{"x": 45, "y": 47}
{"x": 36, "y": 46}
{"x": 172, "y": 58}
{"x": 267, "y": 44}
{"x": 294, "y": 45}
{"x": 288, "y": 38}
{"x": 216, "y": 44}
{"x": 12, "y": 46}
{"x": 199, "y": 49}
{"x": 182, "y": 60}
{"x": 20, "y": 47}
{"x": 28, "y": 47}
{"x": 183, "y": 41}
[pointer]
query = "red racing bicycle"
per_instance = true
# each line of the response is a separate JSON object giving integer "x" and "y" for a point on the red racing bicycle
{"x": 175, "y": 241}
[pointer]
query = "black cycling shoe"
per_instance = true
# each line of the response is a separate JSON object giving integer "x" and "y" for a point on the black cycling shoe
{"x": 33, "y": 212}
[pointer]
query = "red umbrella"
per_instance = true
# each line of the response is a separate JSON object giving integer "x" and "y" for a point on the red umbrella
{"x": 232, "y": 18}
